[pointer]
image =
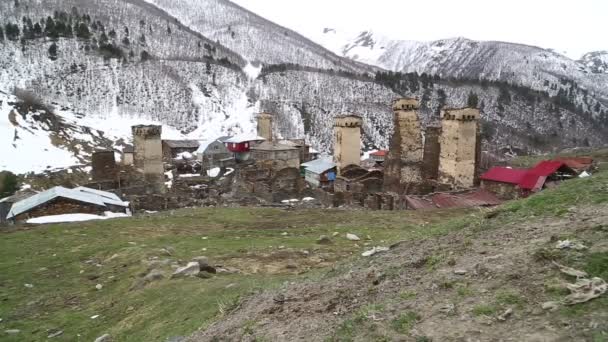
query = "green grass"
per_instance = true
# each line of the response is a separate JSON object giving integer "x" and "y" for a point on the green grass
{"x": 60, "y": 262}
{"x": 405, "y": 322}
{"x": 484, "y": 310}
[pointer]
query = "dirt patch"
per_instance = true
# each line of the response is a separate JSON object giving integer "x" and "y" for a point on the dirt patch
{"x": 286, "y": 261}
{"x": 477, "y": 284}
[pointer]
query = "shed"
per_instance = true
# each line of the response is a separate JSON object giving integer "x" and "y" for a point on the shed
{"x": 60, "y": 200}
{"x": 378, "y": 156}
{"x": 7, "y": 203}
{"x": 319, "y": 172}
{"x": 214, "y": 153}
{"x": 172, "y": 148}
{"x": 241, "y": 145}
{"x": 278, "y": 154}
{"x": 503, "y": 181}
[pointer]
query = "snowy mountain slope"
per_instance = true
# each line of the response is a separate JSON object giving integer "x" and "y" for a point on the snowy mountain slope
{"x": 536, "y": 68}
{"x": 596, "y": 61}
{"x": 128, "y": 62}
{"x": 253, "y": 37}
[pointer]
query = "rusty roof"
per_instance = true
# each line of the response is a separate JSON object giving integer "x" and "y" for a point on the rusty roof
{"x": 418, "y": 203}
{"x": 477, "y": 198}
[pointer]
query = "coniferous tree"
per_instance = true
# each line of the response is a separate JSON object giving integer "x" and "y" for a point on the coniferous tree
{"x": 53, "y": 52}
{"x": 8, "y": 184}
{"x": 1, "y": 34}
{"x": 50, "y": 29}
{"x": 12, "y": 31}
{"x": 145, "y": 56}
{"x": 37, "y": 30}
{"x": 473, "y": 100}
{"x": 125, "y": 41}
{"x": 83, "y": 32}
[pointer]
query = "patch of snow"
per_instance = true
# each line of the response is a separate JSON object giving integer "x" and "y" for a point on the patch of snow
{"x": 366, "y": 155}
{"x": 308, "y": 199}
{"x": 74, "y": 218}
{"x": 184, "y": 155}
{"x": 214, "y": 172}
{"x": 189, "y": 175}
{"x": 229, "y": 171}
{"x": 252, "y": 71}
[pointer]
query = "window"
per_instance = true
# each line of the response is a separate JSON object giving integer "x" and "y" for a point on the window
{"x": 246, "y": 145}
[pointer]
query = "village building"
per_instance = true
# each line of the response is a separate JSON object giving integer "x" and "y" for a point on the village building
{"x": 402, "y": 168}
{"x": 7, "y": 203}
{"x": 432, "y": 151}
{"x": 356, "y": 179}
{"x": 378, "y": 157}
{"x": 104, "y": 167}
{"x": 214, "y": 153}
{"x": 265, "y": 125}
{"x": 149, "y": 155}
{"x": 503, "y": 181}
{"x": 128, "y": 156}
{"x": 305, "y": 149}
{"x": 347, "y": 141}
{"x": 173, "y": 149}
{"x": 276, "y": 155}
{"x": 508, "y": 183}
{"x": 241, "y": 145}
{"x": 61, "y": 201}
{"x": 460, "y": 147}
{"x": 320, "y": 173}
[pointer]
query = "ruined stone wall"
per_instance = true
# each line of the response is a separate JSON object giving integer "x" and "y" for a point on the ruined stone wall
{"x": 347, "y": 141}
{"x": 403, "y": 165}
{"x": 501, "y": 190}
{"x": 432, "y": 150}
{"x": 104, "y": 166}
{"x": 265, "y": 126}
{"x": 459, "y": 147}
{"x": 149, "y": 154}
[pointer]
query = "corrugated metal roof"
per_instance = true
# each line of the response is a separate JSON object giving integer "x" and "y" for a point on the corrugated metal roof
{"x": 319, "y": 166}
{"x": 273, "y": 146}
{"x": 84, "y": 195}
{"x": 244, "y": 138}
{"x": 547, "y": 167}
{"x": 504, "y": 175}
{"x": 478, "y": 198}
{"x": 109, "y": 198}
{"x": 532, "y": 181}
{"x": 181, "y": 143}
{"x": 417, "y": 203}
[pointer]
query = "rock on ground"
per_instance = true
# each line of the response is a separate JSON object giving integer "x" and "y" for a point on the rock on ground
{"x": 189, "y": 270}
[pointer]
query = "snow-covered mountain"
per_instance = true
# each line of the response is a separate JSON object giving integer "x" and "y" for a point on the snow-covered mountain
{"x": 90, "y": 69}
{"x": 521, "y": 65}
{"x": 596, "y": 61}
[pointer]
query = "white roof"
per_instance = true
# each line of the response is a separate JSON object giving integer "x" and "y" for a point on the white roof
{"x": 244, "y": 138}
{"x": 319, "y": 166}
{"x": 81, "y": 194}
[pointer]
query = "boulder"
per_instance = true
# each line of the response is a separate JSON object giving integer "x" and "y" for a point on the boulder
{"x": 204, "y": 266}
{"x": 192, "y": 269}
{"x": 104, "y": 338}
{"x": 154, "y": 275}
{"x": 324, "y": 240}
{"x": 352, "y": 237}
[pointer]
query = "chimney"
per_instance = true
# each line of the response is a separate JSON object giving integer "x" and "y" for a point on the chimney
{"x": 265, "y": 126}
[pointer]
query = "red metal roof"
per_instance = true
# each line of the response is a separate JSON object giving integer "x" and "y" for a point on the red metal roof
{"x": 577, "y": 163}
{"x": 547, "y": 167}
{"x": 381, "y": 153}
{"x": 532, "y": 181}
{"x": 417, "y": 203}
{"x": 504, "y": 175}
{"x": 478, "y": 198}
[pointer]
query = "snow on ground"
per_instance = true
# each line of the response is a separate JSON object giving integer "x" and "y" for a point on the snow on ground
{"x": 27, "y": 147}
{"x": 252, "y": 71}
{"x": 214, "y": 172}
{"x": 75, "y": 218}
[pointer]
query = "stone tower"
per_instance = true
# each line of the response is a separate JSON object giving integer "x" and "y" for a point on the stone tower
{"x": 148, "y": 157}
{"x": 402, "y": 171}
{"x": 265, "y": 126}
{"x": 432, "y": 150}
{"x": 347, "y": 141}
{"x": 459, "y": 147}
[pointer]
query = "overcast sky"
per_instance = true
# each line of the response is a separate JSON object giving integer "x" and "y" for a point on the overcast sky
{"x": 573, "y": 27}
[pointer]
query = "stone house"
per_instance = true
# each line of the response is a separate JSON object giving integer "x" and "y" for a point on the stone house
{"x": 128, "y": 155}
{"x": 320, "y": 173}
{"x": 503, "y": 181}
{"x": 241, "y": 145}
{"x": 214, "y": 153}
{"x": 173, "y": 148}
{"x": 60, "y": 201}
{"x": 276, "y": 155}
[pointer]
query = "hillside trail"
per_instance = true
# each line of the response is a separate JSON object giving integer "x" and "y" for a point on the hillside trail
{"x": 494, "y": 281}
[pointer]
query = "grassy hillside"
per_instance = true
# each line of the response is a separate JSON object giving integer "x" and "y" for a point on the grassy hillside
{"x": 491, "y": 275}
{"x": 64, "y": 263}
